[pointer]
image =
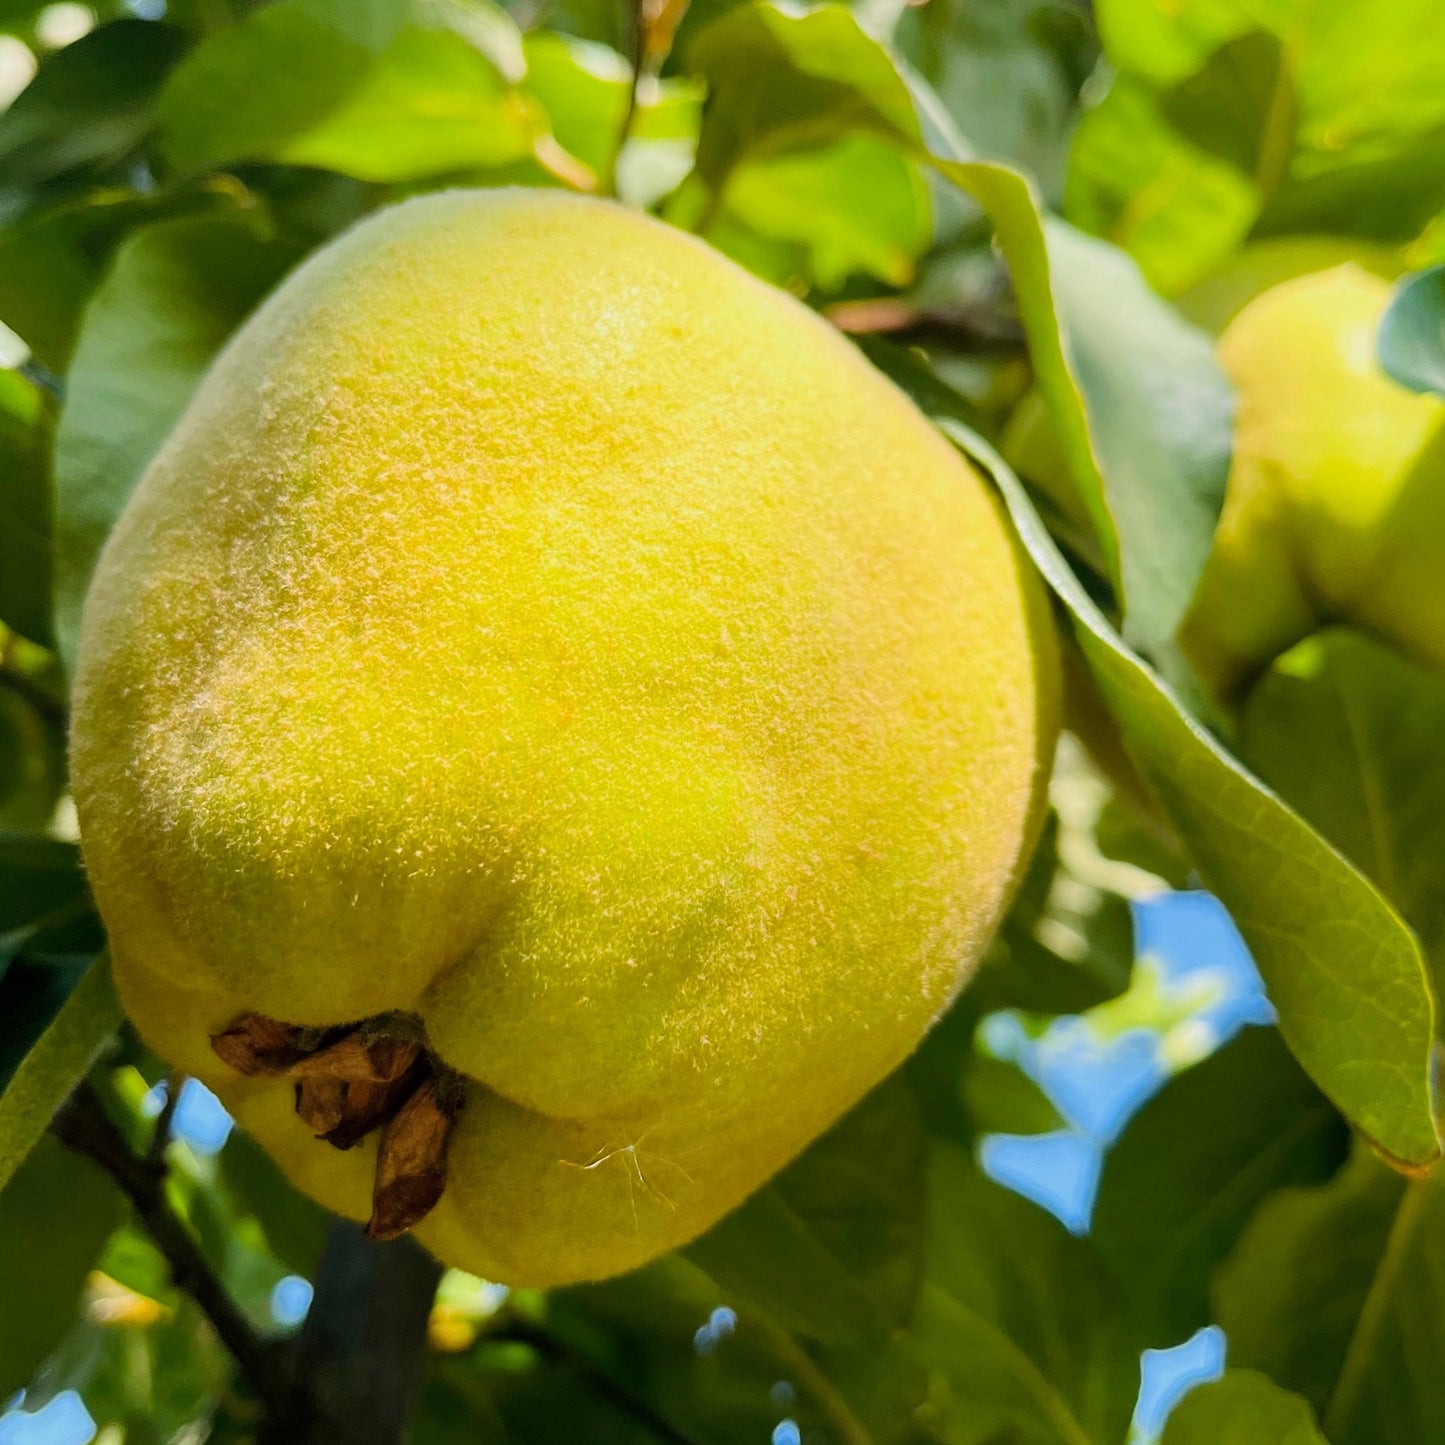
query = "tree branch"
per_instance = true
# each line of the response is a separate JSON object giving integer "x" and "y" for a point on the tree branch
{"x": 637, "y": 15}
{"x": 84, "y": 1125}
{"x": 359, "y": 1358}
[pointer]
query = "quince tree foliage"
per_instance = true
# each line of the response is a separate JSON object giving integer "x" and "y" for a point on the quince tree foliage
{"x": 600, "y": 603}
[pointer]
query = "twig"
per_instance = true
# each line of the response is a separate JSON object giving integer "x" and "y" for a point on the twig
{"x": 359, "y": 1358}
{"x": 161, "y": 1135}
{"x": 981, "y": 328}
{"x": 84, "y": 1125}
{"x": 637, "y": 12}
{"x": 516, "y": 1331}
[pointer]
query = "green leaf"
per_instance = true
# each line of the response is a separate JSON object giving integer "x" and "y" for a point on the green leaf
{"x": 32, "y": 993}
{"x": 1019, "y": 1321}
{"x": 857, "y": 205}
{"x": 1243, "y": 1408}
{"x": 430, "y": 104}
{"x": 1342, "y": 969}
{"x": 1159, "y": 416}
{"x": 584, "y": 86}
{"x": 60, "y": 1058}
{"x": 90, "y": 104}
{"x": 32, "y": 764}
{"x": 800, "y": 147}
{"x": 52, "y": 257}
{"x": 1412, "y": 334}
{"x": 1180, "y": 212}
{"x": 40, "y": 883}
{"x": 1195, "y": 1162}
{"x": 1240, "y": 106}
{"x": 210, "y": 110}
{"x": 1125, "y": 835}
{"x": 26, "y": 426}
{"x": 1348, "y": 730}
{"x": 374, "y": 24}
{"x": 285, "y": 86}
{"x": 56, "y": 1213}
{"x": 515, "y": 1395}
{"x": 1140, "y": 407}
{"x": 1388, "y": 199}
{"x": 831, "y": 1248}
{"x": 1165, "y": 43}
{"x": 1007, "y": 73}
{"x": 1348, "y": 125}
{"x": 782, "y": 81}
{"x": 294, "y": 1226}
{"x": 645, "y": 1323}
{"x": 1334, "y": 1293}
{"x": 175, "y": 292}
{"x": 1002, "y": 1099}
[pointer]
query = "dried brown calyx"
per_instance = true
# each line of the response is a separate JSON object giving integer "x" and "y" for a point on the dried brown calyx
{"x": 377, "y": 1074}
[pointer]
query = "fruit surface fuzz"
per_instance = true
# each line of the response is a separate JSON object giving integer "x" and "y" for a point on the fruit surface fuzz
{"x": 538, "y": 626}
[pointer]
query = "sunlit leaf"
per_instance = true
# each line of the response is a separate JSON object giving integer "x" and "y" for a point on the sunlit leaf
{"x": 856, "y": 205}
{"x": 1158, "y": 409}
{"x": 1332, "y": 116}
{"x": 212, "y": 111}
{"x": 428, "y": 105}
{"x": 284, "y": 85}
{"x": 1179, "y": 211}
{"x": 781, "y": 81}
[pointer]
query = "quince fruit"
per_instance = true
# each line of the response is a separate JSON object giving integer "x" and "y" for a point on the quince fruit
{"x": 1335, "y": 508}
{"x": 553, "y": 728}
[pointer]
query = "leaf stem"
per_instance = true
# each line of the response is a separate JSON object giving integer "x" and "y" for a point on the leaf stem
{"x": 1364, "y": 1337}
{"x": 815, "y": 1383}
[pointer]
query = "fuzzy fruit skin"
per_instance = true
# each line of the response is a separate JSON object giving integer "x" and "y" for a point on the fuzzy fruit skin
{"x": 538, "y": 624}
{"x": 1335, "y": 510}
